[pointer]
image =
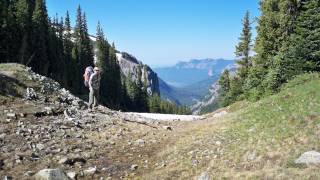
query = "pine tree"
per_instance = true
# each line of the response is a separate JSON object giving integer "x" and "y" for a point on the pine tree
{"x": 115, "y": 78}
{"x": 82, "y": 51}
{"x": 243, "y": 49}
{"x": 24, "y": 17}
{"x": 303, "y": 48}
{"x": 39, "y": 60}
{"x": 102, "y": 55}
{"x": 8, "y": 31}
{"x": 224, "y": 83}
{"x": 275, "y": 25}
{"x": 67, "y": 49}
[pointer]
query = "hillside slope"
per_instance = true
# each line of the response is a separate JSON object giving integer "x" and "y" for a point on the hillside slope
{"x": 44, "y": 126}
{"x": 254, "y": 140}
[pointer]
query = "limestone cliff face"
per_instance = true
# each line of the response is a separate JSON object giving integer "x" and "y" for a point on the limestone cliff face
{"x": 130, "y": 68}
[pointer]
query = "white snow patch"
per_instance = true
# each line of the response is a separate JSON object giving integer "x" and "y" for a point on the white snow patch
{"x": 167, "y": 117}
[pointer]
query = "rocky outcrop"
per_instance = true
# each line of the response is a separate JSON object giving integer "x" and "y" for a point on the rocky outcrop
{"x": 209, "y": 99}
{"x": 209, "y": 102}
{"x": 130, "y": 68}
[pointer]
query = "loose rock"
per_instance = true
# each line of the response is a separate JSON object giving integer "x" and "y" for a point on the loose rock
{"x": 204, "y": 176}
{"x": 72, "y": 175}
{"x": 167, "y": 128}
{"x": 134, "y": 167}
{"x": 140, "y": 142}
{"x": 51, "y": 174}
{"x": 90, "y": 171}
{"x": 11, "y": 116}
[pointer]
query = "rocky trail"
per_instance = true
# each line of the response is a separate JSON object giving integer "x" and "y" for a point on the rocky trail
{"x": 46, "y": 131}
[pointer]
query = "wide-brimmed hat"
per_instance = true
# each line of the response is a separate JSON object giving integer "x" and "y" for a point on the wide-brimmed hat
{"x": 96, "y": 69}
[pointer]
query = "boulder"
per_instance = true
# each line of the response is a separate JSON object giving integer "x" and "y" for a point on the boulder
{"x": 309, "y": 158}
{"x": 51, "y": 174}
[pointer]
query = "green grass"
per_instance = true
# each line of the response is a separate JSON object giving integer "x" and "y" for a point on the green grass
{"x": 259, "y": 140}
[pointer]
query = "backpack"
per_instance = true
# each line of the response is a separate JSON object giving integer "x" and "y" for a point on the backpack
{"x": 86, "y": 76}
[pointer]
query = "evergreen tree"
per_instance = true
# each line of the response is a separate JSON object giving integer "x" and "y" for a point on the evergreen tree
{"x": 24, "y": 10}
{"x": 102, "y": 55}
{"x": 275, "y": 25}
{"x": 67, "y": 49}
{"x": 303, "y": 48}
{"x": 115, "y": 78}
{"x": 224, "y": 83}
{"x": 82, "y": 51}
{"x": 8, "y": 31}
{"x": 39, "y": 60}
{"x": 57, "y": 68}
{"x": 243, "y": 49}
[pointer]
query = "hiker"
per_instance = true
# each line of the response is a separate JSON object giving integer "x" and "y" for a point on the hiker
{"x": 94, "y": 87}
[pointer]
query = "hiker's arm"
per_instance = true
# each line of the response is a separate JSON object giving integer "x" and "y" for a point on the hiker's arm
{"x": 90, "y": 81}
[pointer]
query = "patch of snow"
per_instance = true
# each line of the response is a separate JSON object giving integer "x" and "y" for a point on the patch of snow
{"x": 167, "y": 117}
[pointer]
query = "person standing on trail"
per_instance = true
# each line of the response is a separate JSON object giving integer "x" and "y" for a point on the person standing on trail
{"x": 94, "y": 87}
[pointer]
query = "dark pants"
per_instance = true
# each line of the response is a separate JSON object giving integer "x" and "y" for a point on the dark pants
{"x": 93, "y": 97}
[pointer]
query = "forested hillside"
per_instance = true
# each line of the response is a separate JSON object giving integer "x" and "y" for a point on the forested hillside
{"x": 55, "y": 48}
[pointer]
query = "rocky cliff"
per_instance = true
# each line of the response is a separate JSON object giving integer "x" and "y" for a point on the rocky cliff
{"x": 130, "y": 68}
{"x": 210, "y": 102}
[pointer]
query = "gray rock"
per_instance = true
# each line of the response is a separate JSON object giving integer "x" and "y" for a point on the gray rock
{"x": 7, "y": 178}
{"x": 140, "y": 142}
{"x": 90, "y": 171}
{"x": 167, "y": 128}
{"x": 3, "y": 135}
{"x": 11, "y": 116}
{"x": 134, "y": 167}
{"x": 29, "y": 173}
{"x": 30, "y": 94}
{"x": 40, "y": 146}
{"x": 310, "y": 157}
{"x": 48, "y": 110}
{"x": 51, "y": 174}
{"x": 72, "y": 175}
{"x": 203, "y": 176}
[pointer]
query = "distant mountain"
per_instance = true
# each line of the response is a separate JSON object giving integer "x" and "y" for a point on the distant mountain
{"x": 196, "y": 70}
{"x": 187, "y": 83}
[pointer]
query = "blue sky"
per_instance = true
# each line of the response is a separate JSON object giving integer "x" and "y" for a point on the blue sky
{"x": 163, "y": 32}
